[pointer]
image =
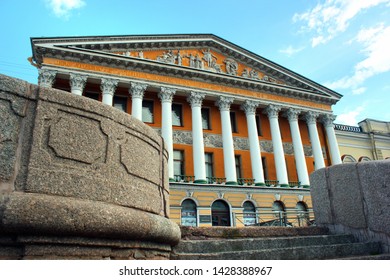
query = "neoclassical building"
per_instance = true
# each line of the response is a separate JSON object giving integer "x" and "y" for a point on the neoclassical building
{"x": 243, "y": 133}
{"x": 370, "y": 140}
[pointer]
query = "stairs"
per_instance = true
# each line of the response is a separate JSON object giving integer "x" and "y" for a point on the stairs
{"x": 272, "y": 244}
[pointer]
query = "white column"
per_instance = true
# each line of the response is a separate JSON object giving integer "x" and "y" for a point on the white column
{"x": 166, "y": 96}
{"x": 195, "y": 99}
{"x": 311, "y": 120}
{"x": 77, "y": 83}
{"x": 137, "y": 91}
{"x": 254, "y": 146}
{"x": 299, "y": 154}
{"x": 46, "y": 77}
{"x": 280, "y": 162}
{"x": 327, "y": 120}
{"x": 108, "y": 87}
{"x": 227, "y": 140}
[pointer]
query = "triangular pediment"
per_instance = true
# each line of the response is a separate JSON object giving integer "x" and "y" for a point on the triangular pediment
{"x": 204, "y": 54}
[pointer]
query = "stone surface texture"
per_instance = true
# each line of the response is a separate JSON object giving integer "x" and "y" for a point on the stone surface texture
{"x": 74, "y": 167}
{"x": 354, "y": 198}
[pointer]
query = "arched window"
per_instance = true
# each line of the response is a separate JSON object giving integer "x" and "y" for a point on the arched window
{"x": 278, "y": 209}
{"x": 362, "y": 159}
{"x": 188, "y": 213}
{"x": 220, "y": 213}
{"x": 249, "y": 213}
{"x": 348, "y": 159}
{"x": 302, "y": 214}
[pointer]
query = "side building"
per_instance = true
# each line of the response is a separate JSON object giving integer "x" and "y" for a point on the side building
{"x": 243, "y": 133}
{"x": 370, "y": 140}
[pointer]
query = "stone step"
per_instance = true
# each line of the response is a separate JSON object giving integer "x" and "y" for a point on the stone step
{"x": 292, "y": 253}
{"x": 247, "y": 244}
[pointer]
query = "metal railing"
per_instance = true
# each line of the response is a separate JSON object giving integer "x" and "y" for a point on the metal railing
{"x": 240, "y": 181}
{"x": 349, "y": 128}
{"x": 289, "y": 218}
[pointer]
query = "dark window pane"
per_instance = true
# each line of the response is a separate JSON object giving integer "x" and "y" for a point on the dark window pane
{"x": 147, "y": 111}
{"x": 177, "y": 115}
{"x": 120, "y": 103}
{"x": 233, "y": 122}
{"x": 206, "y": 118}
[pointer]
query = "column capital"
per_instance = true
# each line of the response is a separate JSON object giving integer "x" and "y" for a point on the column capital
{"x": 311, "y": 117}
{"x": 46, "y": 77}
{"x": 292, "y": 114}
{"x": 166, "y": 94}
{"x": 108, "y": 86}
{"x": 224, "y": 103}
{"x": 249, "y": 107}
{"x": 272, "y": 111}
{"x": 328, "y": 119}
{"x": 196, "y": 98}
{"x": 137, "y": 90}
{"x": 77, "y": 81}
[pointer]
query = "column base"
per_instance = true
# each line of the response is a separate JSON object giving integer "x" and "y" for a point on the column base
{"x": 284, "y": 185}
{"x": 260, "y": 184}
{"x": 200, "y": 181}
{"x": 231, "y": 183}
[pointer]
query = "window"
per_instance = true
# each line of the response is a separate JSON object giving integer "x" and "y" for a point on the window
{"x": 249, "y": 213}
{"x": 209, "y": 165}
{"x": 178, "y": 162}
{"x": 233, "y": 122}
{"x": 206, "y": 118}
{"x": 238, "y": 166}
{"x": 92, "y": 95}
{"x": 188, "y": 213}
{"x": 265, "y": 169}
{"x": 177, "y": 115}
{"x": 120, "y": 103}
{"x": 147, "y": 111}
{"x": 258, "y": 124}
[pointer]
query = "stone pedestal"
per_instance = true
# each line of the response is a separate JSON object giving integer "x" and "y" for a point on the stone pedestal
{"x": 79, "y": 180}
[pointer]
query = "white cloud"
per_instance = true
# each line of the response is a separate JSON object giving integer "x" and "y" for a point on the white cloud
{"x": 332, "y": 17}
{"x": 63, "y": 8}
{"x": 376, "y": 41}
{"x": 359, "y": 91}
{"x": 290, "y": 50}
{"x": 351, "y": 117}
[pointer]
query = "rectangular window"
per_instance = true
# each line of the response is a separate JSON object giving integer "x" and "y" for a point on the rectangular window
{"x": 206, "y": 118}
{"x": 258, "y": 124}
{"x": 265, "y": 168}
{"x": 120, "y": 103}
{"x": 92, "y": 95}
{"x": 178, "y": 162}
{"x": 209, "y": 164}
{"x": 233, "y": 122}
{"x": 147, "y": 111}
{"x": 177, "y": 115}
{"x": 238, "y": 166}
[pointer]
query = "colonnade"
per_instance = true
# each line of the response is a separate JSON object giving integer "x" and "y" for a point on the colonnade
{"x": 166, "y": 94}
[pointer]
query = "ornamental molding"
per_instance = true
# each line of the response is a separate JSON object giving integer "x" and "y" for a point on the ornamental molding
{"x": 166, "y": 94}
{"x": 328, "y": 120}
{"x": 137, "y": 90}
{"x": 224, "y": 103}
{"x": 292, "y": 114}
{"x": 46, "y": 77}
{"x": 77, "y": 81}
{"x": 272, "y": 111}
{"x": 250, "y": 107}
{"x": 108, "y": 86}
{"x": 196, "y": 98}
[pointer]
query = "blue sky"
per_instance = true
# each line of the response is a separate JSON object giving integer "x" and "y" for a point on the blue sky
{"x": 342, "y": 44}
